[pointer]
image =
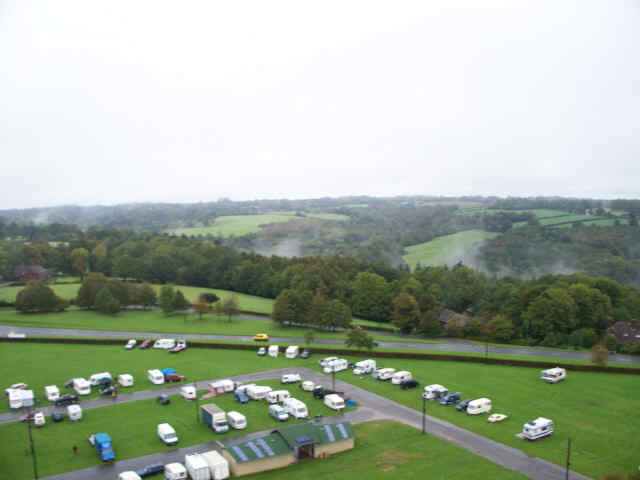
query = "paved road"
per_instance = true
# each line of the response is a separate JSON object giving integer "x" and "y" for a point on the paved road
{"x": 372, "y": 407}
{"x": 447, "y": 345}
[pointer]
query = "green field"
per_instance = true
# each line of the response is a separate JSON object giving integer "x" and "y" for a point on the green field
{"x": 599, "y": 412}
{"x": 603, "y": 222}
{"x": 239, "y": 225}
{"x": 444, "y": 250}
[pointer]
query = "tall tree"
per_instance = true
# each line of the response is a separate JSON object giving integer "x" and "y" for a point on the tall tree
{"x": 371, "y": 297}
{"x": 146, "y": 295}
{"x": 165, "y": 300}
{"x": 406, "y": 313}
{"x": 336, "y": 315}
{"x": 227, "y": 306}
{"x": 38, "y": 297}
{"x": 359, "y": 338}
{"x": 180, "y": 303}
{"x": 80, "y": 261}
{"x": 284, "y": 308}
{"x": 106, "y": 302}
{"x": 92, "y": 284}
{"x": 201, "y": 307}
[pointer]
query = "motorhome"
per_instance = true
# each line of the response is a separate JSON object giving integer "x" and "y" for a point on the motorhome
{"x": 334, "y": 402}
{"x": 386, "y": 373}
{"x": 480, "y": 405}
{"x": 155, "y": 376}
{"x": 103, "y": 378}
{"x": 292, "y": 351}
{"x": 401, "y": 377}
{"x": 364, "y": 367}
{"x": 278, "y": 413}
{"x": 539, "y": 428}
{"x": 434, "y": 392}
{"x": 15, "y": 399}
{"x": 167, "y": 434}
{"x": 175, "y": 471}
{"x": 236, "y": 420}
{"x": 257, "y": 392}
{"x": 74, "y": 412}
{"x": 336, "y": 366}
{"x": 273, "y": 351}
{"x": 165, "y": 343}
{"x": 38, "y": 419}
{"x": 290, "y": 378}
{"x": 81, "y": 386}
{"x": 307, "y": 386}
{"x": 553, "y": 375}
{"x": 276, "y": 396}
{"x": 125, "y": 380}
{"x": 52, "y": 393}
{"x": 296, "y": 408}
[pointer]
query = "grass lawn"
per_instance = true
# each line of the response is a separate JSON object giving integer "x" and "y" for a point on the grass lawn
{"x": 392, "y": 450}
{"x": 132, "y": 428}
{"x": 66, "y": 291}
{"x": 599, "y": 412}
{"x": 444, "y": 250}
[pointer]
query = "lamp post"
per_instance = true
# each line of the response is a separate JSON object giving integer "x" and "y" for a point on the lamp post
{"x": 32, "y": 445}
{"x": 424, "y": 415}
{"x": 195, "y": 386}
{"x": 333, "y": 380}
{"x": 566, "y": 476}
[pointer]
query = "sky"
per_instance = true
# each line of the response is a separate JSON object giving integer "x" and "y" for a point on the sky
{"x": 163, "y": 101}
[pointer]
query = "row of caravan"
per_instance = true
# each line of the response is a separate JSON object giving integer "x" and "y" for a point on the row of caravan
{"x": 274, "y": 350}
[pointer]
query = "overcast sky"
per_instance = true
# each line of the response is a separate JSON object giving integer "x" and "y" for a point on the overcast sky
{"x": 132, "y": 101}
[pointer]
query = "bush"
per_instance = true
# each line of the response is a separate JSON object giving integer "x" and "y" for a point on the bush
{"x": 610, "y": 341}
{"x": 501, "y": 328}
{"x": 474, "y": 328}
{"x": 630, "y": 348}
{"x": 38, "y": 297}
{"x": 551, "y": 340}
{"x": 585, "y": 337}
{"x": 599, "y": 355}
{"x": 209, "y": 297}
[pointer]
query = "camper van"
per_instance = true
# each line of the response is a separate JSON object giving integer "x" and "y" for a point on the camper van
{"x": 434, "y": 392}
{"x": 103, "y": 378}
{"x": 167, "y": 434}
{"x": 401, "y": 377}
{"x": 278, "y": 413}
{"x": 480, "y": 405}
{"x": 273, "y": 351}
{"x": 336, "y": 366}
{"x": 536, "y": 429}
{"x": 277, "y": 396}
{"x": 155, "y": 376}
{"x": 386, "y": 373}
{"x": 52, "y": 393}
{"x": 334, "y": 402}
{"x": 81, "y": 386}
{"x": 296, "y": 408}
{"x": 364, "y": 367}
{"x": 74, "y": 412}
{"x": 257, "y": 392}
{"x": 125, "y": 380}
{"x": 165, "y": 343}
{"x": 553, "y": 375}
{"x": 290, "y": 378}
{"x": 236, "y": 420}
{"x": 292, "y": 351}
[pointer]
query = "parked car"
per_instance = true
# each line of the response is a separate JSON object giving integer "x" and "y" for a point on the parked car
{"x": 173, "y": 377}
{"x": 66, "y": 399}
{"x": 450, "y": 399}
{"x": 496, "y": 417}
{"x": 152, "y": 469}
{"x": 130, "y": 344}
{"x": 409, "y": 384}
{"x": 146, "y": 344}
{"x": 261, "y": 337}
{"x": 241, "y": 396}
{"x": 462, "y": 406}
{"x": 262, "y": 352}
{"x": 180, "y": 346}
{"x": 68, "y": 383}
{"x": 163, "y": 399}
{"x": 57, "y": 416}
{"x": 306, "y": 353}
{"x": 108, "y": 391}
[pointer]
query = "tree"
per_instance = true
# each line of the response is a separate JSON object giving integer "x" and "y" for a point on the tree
{"x": 209, "y": 297}
{"x": 146, "y": 295}
{"x": 167, "y": 294}
{"x": 201, "y": 307}
{"x": 316, "y": 314}
{"x": 227, "y": 306}
{"x": 180, "y": 303}
{"x": 124, "y": 267}
{"x": 38, "y": 297}
{"x": 336, "y": 315}
{"x": 106, "y": 302}
{"x": 501, "y": 328}
{"x": 284, "y": 308}
{"x": 554, "y": 309}
{"x": 430, "y": 323}
{"x": 309, "y": 336}
{"x": 91, "y": 285}
{"x": 99, "y": 255}
{"x": 371, "y": 297}
{"x": 475, "y": 328}
{"x": 80, "y": 261}
{"x": 406, "y": 313}
{"x": 599, "y": 355}
{"x": 358, "y": 338}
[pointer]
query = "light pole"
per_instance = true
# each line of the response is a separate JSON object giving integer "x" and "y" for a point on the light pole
{"x": 333, "y": 380}
{"x": 424, "y": 415}
{"x": 566, "y": 476}
{"x": 195, "y": 386}
{"x": 32, "y": 445}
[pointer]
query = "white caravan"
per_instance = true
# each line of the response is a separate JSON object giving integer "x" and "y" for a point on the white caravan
{"x": 386, "y": 373}
{"x": 434, "y": 392}
{"x": 480, "y": 405}
{"x": 52, "y": 392}
{"x": 296, "y": 408}
{"x": 227, "y": 384}
{"x": 74, "y": 412}
{"x": 188, "y": 392}
{"x": 81, "y": 386}
{"x": 553, "y": 375}
{"x": 290, "y": 378}
{"x": 175, "y": 471}
{"x": 276, "y": 396}
{"x": 401, "y": 377}
{"x": 325, "y": 361}
{"x": 292, "y": 351}
{"x": 125, "y": 380}
{"x": 539, "y": 428}
{"x": 336, "y": 366}
{"x": 364, "y": 367}
{"x": 236, "y": 420}
{"x": 307, "y": 386}
{"x": 165, "y": 343}
{"x": 155, "y": 376}
{"x": 333, "y": 401}
{"x": 102, "y": 378}
{"x": 15, "y": 399}
{"x": 257, "y": 392}
{"x": 273, "y": 351}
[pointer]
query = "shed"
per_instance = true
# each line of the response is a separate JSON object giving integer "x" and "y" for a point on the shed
{"x": 265, "y": 453}
{"x": 309, "y": 440}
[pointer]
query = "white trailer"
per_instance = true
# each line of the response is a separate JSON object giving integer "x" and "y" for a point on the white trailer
{"x": 52, "y": 393}
{"x": 188, "y": 392}
{"x": 74, "y": 412}
{"x": 434, "y": 392}
{"x": 125, "y": 380}
{"x": 292, "y": 351}
{"x": 325, "y": 361}
{"x": 336, "y": 366}
{"x": 553, "y": 375}
{"x": 155, "y": 376}
{"x": 401, "y": 377}
{"x": 276, "y": 396}
{"x": 175, "y": 471}
{"x": 539, "y": 428}
{"x": 364, "y": 367}
{"x": 236, "y": 420}
{"x": 165, "y": 343}
{"x": 295, "y": 408}
{"x": 273, "y": 351}
{"x": 81, "y": 386}
{"x": 257, "y": 392}
{"x": 334, "y": 401}
{"x": 15, "y": 399}
{"x": 478, "y": 406}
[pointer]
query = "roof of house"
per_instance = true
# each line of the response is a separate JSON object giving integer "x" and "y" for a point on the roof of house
{"x": 268, "y": 446}
{"x": 625, "y": 332}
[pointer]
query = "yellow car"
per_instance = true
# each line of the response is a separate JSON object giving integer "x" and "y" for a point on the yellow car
{"x": 261, "y": 337}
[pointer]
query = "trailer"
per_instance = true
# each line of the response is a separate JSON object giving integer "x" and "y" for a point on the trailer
{"x": 536, "y": 429}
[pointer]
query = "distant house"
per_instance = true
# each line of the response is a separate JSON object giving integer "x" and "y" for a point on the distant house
{"x": 32, "y": 272}
{"x": 626, "y": 332}
{"x": 450, "y": 319}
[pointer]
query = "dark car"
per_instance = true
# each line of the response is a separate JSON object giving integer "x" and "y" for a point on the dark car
{"x": 57, "y": 416}
{"x": 102, "y": 381}
{"x": 108, "y": 391}
{"x": 450, "y": 399}
{"x": 241, "y": 396}
{"x": 163, "y": 399}
{"x": 306, "y": 353}
{"x": 68, "y": 383}
{"x": 409, "y": 384}
{"x": 462, "y": 406}
{"x": 173, "y": 377}
{"x": 146, "y": 344}
{"x": 152, "y": 469}
{"x": 66, "y": 399}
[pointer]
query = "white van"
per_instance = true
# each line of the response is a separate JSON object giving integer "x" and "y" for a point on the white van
{"x": 278, "y": 413}
{"x": 236, "y": 420}
{"x": 292, "y": 351}
{"x": 333, "y": 401}
{"x": 336, "y": 366}
{"x": 165, "y": 343}
{"x": 273, "y": 351}
{"x": 257, "y": 392}
{"x": 364, "y": 367}
{"x": 553, "y": 375}
{"x": 175, "y": 471}
{"x": 81, "y": 386}
{"x": 167, "y": 434}
{"x": 52, "y": 393}
{"x": 125, "y": 380}
{"x": 296, "y": 408}
{"x": 480, "y": 405}
{"x": 155, "y": 376}
{"x": 103, "y": 378}
{"x": 386, "y": 373}
{"x": 276, "y": 396}
{"x": 74, "y": 412}
{"x": 188, "y": 392}
{"x": 401, "y": 377}
{"x": 434, "y": 392}
{"x": 290, "y": 378}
